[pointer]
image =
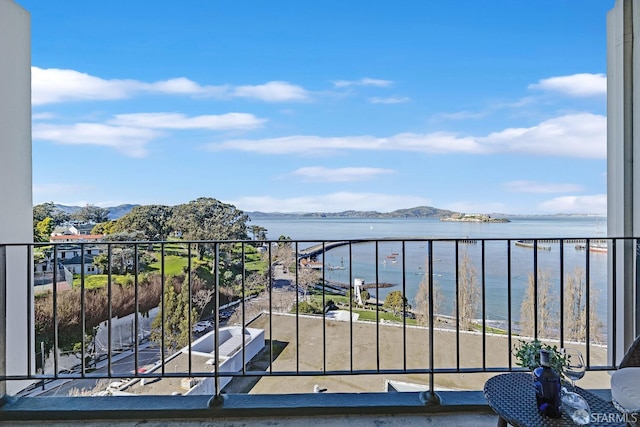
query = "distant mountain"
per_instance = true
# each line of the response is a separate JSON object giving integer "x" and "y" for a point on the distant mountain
{"x": 417, "y": 212}
{"x": 115, "y": 212}
{"x": 120, "y": 210}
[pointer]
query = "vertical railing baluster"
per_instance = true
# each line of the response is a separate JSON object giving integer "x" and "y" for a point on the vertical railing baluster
{"x": 83, "y": 317}
{"x": 296, "y": 271}
{"x": 587, "y": 304}
{"x": 509, "y": 325}
{"x": 637, "y": 290}
{"x": 216, "y": 310}
{"x": 243, "y": 296}
{"x": 457, "y": 277}
{"x": 432, "y": 376}
{"x": 561, "y": 293}
{"x": 271, "y": 274}
{"x": 404, "y": 308}
{"x": 351, "y": 300}
{"x": 3, "y": 324}
{"x": 56, "y": 336}
{"x": 29, "y": 334}
{"x": 614, "y": 285}
{"x": 136, "y": 309}
{"x": 377, "y": 308}
{"x": 188, "y": 284}
{"x": 324, "y": 313}
{"x": 535, "y": 289}
{"x": 484, "y": 305}
{"x": 163, "y": 314}
{"x": 110, "y": 311}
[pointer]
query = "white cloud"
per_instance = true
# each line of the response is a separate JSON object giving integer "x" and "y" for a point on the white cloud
{"x": 575, "y": 135}
{"x": 128, "y": 140}
{"x": 182, "y": 85}
{"x": 56, "y": 85}
{"x": 389, "y": 100}
{"x": 577, "y": 85}
{"x": 366, "y": 81}
{"x": 180, "y": 121}
{"x": 322, "y": 174}
{"x": 595, "y": 204}
{"x": 541, "y": 187}
{"x": 438, "y": 142}
{"x": 130, "y": 133}
{"x": 335, "y": 202}
{"x": 53, "y": 85}
{"x": 273, "y": 91}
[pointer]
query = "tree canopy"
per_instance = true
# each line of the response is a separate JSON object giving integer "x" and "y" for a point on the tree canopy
{"x": 153, "y": 221}
{"x": 49, "y": 210}
{"x": 91, "y": 214}
{"x": 395, "y": 302}
{"x": 209, "y": 219}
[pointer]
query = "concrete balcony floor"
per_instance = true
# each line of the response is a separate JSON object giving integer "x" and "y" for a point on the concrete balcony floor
{"x": 441, "y": 419}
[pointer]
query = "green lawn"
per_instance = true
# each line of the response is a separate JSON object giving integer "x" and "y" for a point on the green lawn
{"x": 370, "y": 315}
{"x": 93, "y": 281}
{"x": 364, "y": 314}
{"x": 173, "y": 265}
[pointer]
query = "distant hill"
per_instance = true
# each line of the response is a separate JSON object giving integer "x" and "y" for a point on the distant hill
{"x": 417, "y": 212}
{"x": 115, "y": 212}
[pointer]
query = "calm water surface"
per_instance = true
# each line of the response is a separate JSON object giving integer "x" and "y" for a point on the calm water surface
{"x": 404, "y": 265}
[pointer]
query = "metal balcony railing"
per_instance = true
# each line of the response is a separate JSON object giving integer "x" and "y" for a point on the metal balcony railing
{"x": 368, "y": 307}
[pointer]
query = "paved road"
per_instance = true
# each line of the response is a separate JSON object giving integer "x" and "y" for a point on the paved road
{"x": 121, "y": 364}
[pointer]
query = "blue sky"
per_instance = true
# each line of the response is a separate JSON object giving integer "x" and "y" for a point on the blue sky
{"x": 293, "y": 106}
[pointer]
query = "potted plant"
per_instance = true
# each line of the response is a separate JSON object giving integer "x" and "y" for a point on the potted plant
{"x": 527, "y": 355}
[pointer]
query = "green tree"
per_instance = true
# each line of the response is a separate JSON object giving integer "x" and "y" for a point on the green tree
{"x": 258, "y": 232}
{"x": 42, "y": 227}
{"x": 209, "y": 219}
{"x": 50, "y": 210}
{"x": 91, "y": 214}
{"x": 364, "y": 294}
{"x": 395, "y": 301}
{"x": 104, "y": 227}
{"x": 122, "y": 256}
{"x": 43, "y": 230}
{"x": 176, "y": 319}
{"x": 150, "y": 220}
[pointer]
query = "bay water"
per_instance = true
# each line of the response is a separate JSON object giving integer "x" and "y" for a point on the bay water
{"x": 404, "y": 265}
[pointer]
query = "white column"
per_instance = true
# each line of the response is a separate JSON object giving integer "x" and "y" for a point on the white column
{"x": 623, "y": 172}
{"x": 16, "y": 206}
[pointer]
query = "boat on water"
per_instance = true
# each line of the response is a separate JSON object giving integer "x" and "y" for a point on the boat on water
{"x": 593, "y": 247}
{"x": 529, "y": 244}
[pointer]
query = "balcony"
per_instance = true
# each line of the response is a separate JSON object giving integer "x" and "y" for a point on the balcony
{"x": 284, "y": 328}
